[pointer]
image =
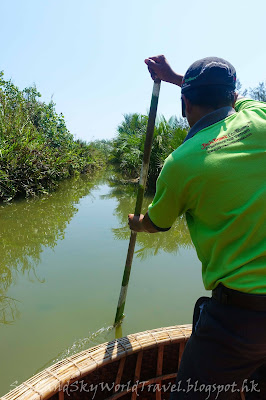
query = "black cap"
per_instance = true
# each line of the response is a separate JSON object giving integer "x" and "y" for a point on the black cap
{"x": 209, "y": 71}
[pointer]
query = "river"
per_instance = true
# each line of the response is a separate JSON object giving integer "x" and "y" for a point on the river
{"x": 62, "y": 261}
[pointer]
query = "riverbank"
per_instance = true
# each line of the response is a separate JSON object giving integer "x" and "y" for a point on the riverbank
{"x": 36, "y": 148}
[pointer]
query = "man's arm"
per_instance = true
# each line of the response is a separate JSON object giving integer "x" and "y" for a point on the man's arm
{"x": 141, "y": 223}
{"x": 159, "y": 68}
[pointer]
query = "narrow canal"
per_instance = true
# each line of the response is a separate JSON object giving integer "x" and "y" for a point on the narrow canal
{"x": 62, "y": 261}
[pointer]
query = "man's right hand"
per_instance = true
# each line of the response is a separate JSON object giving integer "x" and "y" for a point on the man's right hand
{"x": 159, "y": 68}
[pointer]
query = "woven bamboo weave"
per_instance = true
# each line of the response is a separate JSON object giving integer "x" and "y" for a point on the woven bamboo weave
{"x": 130, "y": 358}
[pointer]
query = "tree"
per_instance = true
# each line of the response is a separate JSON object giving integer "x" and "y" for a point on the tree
{"x": 128, "y": 146}
{"x": 259, "y": 92}
{"x": 239, "y": 88}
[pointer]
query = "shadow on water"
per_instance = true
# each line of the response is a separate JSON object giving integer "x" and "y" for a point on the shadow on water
{"x": 29, "y": 226}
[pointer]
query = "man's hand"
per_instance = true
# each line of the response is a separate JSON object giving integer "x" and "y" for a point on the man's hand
{"x": 141, "y": 223}
{"x": 135, "y": 222}
{"x": 159, "y": 68}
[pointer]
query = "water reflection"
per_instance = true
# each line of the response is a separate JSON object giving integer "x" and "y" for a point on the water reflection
{"x": 8, "y": 310}
{"x": 27, "y": 227}
{"x": 177, "y": 237}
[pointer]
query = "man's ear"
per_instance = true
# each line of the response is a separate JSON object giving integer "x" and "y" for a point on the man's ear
{"x": 235, "y": 99}
{"x": 188, "y": 105}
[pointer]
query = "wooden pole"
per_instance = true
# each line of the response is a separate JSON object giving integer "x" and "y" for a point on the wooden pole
{"x": 141, "y": 189}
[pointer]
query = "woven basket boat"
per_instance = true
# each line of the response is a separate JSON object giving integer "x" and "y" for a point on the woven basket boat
{"x": 142, "y": 365}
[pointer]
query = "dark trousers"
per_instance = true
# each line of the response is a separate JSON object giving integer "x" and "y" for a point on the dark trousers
{"x": 225, "y": 354}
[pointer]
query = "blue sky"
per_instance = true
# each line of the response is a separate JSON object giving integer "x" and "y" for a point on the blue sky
{"x": 89, "y": 55}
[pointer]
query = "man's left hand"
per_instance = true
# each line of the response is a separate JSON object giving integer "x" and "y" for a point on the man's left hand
{"x": 141, "y": 223}
{"x": 135, "y": 222}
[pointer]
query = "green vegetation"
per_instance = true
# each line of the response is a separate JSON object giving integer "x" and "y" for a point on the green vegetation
{"x": 36, "y": 148}
{"x": 128, "y": 146}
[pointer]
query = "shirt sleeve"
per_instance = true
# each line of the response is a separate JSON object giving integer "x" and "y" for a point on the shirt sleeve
{"x": 164, "y": 209}
{"x": 244, "y": 103}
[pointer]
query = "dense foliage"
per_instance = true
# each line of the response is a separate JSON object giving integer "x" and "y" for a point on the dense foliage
{"x": 36, "y": 148}
{"x": 128, "y": 146}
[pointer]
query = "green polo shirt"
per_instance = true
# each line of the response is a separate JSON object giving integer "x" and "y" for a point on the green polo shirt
{"x": 218, "y": 178}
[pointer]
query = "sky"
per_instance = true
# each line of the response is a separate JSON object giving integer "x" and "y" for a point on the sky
{"x": 88, "y": 55}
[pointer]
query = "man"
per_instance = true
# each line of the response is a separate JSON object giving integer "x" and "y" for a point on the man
{"x": 217, "y": 177}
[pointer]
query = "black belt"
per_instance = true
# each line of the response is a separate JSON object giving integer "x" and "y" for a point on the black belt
{"x": 224, "y": 295}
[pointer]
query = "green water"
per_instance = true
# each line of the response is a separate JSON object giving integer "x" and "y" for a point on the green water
{"x": 62, "y": 261}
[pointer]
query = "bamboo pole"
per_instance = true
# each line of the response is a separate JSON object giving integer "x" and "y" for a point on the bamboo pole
{"x": 140, "y": 195}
